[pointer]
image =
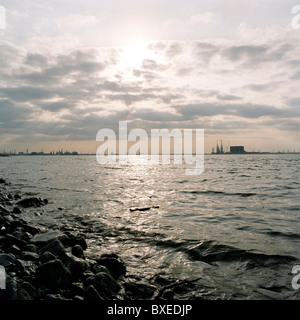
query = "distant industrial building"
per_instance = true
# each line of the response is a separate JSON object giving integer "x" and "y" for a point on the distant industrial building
{"x": 237, "y": 149}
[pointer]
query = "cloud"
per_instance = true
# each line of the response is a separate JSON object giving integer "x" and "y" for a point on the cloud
{"x": 247, "y": 110}
{"x": 12, "y": 115}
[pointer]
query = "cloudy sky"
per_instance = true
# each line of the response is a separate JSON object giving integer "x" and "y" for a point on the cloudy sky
{"x": 70, "y": 68}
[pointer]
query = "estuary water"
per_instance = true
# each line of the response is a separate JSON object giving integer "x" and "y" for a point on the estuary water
{"x": 232, "y": 232}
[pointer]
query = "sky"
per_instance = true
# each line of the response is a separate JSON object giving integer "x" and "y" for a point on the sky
{"x": 71, "y": 68}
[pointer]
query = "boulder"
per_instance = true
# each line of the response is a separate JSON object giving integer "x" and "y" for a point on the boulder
{"x": 14, "y": 291}
{"x": 46, "y": 257}
{"x": 54, "y": 274}
{"x": 31, "y": 248}
{"x": 29, "y": 256}
{"x": 55, "y": 247}
{"x": 105, "y": 284}
{"x": 114, "y": 264}
{"x": 92, "y": 294}
{"x": 3, "y": 210}
{"x": 76, "y": 265}
{"x": 32, "y": 202}
{"x": 6, "y": 260}
{"x": 41, "y": 239}
{"x": 77, "y": 251}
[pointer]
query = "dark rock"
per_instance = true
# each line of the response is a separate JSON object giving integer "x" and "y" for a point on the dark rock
{"x": 14, "y": 291}
{"x": 76, "y": 265}
{"x": 168, "y": 294}
{"x": 92, "y": 294}
{"x": 140, "y": 209}
{"x": 32, "y": 230}
{"x": 114, "y": 265}
{"x": 14, "y": 249}
{"x": 56, "y": 296}
{"x": 8, "y": 218}
{"x": 2, "y": 181}
{"x": 31, "y": 248}
{"x": 55, "y": 247}
{"x": 26, "y": 267}
{"x": 74, "y": 240}
{"x": 17, "y": 196}
{"x": 41, "y": 239}
{"x": 6, "y": 260}
{"x": 54, "y": 274}
{"x": 17, "y": 210}
{"x": 105, "y": 284}
{"x": 30, "y": 289}
{"x": 77, "y": 251}
{"x": 98, "y": 268}
{"x": 86, "y": 274}
{"x": 3, "y": 210}
{"x": 29, "y": 256}
{"x": 10, "y": 239}
{"x": 77, "y": 289}
{"x": 47, "y": 256}
{"x": 32, "y": 202}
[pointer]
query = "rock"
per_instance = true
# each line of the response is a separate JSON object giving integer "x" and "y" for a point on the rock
{"x": 54, "y": 274}
{"x": 92, "y": 294}
{"x": 31, "y": 248}
{"x": 56, "y": 296}
{"x": 32, "y": 230}
{"x": 26, "y": 267}
{"x": 17, "y": 210}
{"x": 98, "y": 268}
{"x": 6, "y": 260}
{"x": 14, "y": 291}
{"x": 76, "y": 265}
{"x": 3, "y": 210}
{"x": 41, "y": 239}
{"x": 140, "y": 209}
{"x": 30, "y": 289}
{"x": 47, "y": 256}
{"x": 14, "y": 249}
{"x": 75, "y": 239}
{"x": 168, "y": 294}
{"x": 55, "y": 247}
{"x": 77, "y": 289}
{"x": 77, "y": 251}
{"x": 105, "y": 284}
{"x": 32, "y": 202}
{"x": 29, "y": 256}
{"x": 2, "y": 181}
{"x": 10, "y": 239}
{"x": 114, "y": 265}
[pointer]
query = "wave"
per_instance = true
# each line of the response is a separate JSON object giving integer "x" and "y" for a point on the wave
{"x": 241, "y": 194}
{"x": 211, "y": 252}
{"x": 208, "y": 251}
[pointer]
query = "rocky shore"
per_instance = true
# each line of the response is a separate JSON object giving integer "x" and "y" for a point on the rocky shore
{"x": 51, "y": 264}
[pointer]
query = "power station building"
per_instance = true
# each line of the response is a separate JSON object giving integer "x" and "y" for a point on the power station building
{"x": 237, "y": 149}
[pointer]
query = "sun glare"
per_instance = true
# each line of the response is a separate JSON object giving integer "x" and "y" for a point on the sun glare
{"x": 134, "y": 53}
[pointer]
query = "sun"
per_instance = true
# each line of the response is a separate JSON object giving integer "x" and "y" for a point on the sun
{"x": 134, "y": 53}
